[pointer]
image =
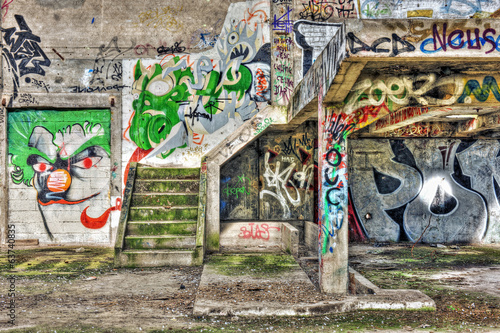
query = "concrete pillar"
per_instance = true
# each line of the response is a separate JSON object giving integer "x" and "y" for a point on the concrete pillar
{"x": 333, "y": 196}
{"x": 281, "y": 52}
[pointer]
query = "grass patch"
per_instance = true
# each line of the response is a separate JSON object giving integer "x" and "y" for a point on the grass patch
{"x": 58, "y": 262}
{"x": 257, "y": 265}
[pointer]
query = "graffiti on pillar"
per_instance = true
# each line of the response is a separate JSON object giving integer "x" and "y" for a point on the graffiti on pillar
{"x": 334, "y": 184}
{"x": 282, "y": 22}
{"x": 65, "y": 157}
{"x": 23, "y": 54}
{"x": 283, "y": 69}
{"x": 433, "y": 190}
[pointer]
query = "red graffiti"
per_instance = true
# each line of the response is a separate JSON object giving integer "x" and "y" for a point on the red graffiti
{"x": 356, "y": 232}
{"x": 262, "y": 84}
{"x": 99, "y": 222}
{"x": 259, "y": 232}
{"x": 197, "y": 139}
{"x": 5, "y": 6}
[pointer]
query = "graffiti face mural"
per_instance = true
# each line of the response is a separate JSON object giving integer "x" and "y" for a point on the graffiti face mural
{"x": 181, "y": 100}
{"x": 66, "y": 160}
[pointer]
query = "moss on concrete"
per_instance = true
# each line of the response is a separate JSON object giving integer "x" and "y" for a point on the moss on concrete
{"x": 58, "y": 262}
{"x": 165, "y": 242}
{"x": 257, "y": 265}
{"x": 213, "y": 242}
{"x": 167, "y": 186}
{"x": 165, "y": 228}
{"x": 164, "y": 200}
{"x": 163, "y": 214}
{"x": 164, "y": 173}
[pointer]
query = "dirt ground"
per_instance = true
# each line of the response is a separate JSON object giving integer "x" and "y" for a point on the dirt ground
{"x": 66, "y": 291}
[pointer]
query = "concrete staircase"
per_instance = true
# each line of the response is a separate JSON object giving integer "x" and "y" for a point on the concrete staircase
{"x": 161, "y": 224}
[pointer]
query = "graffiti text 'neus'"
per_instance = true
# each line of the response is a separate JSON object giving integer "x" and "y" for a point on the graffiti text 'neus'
{"x": 471, "y": 39}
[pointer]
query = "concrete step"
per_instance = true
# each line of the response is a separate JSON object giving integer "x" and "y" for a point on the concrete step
{"x": 159, "y": 242}
{"x": 164, "y": 199}
{"x": 149, "y": 228}
{"x": 167, "y": 186}
{"x": 163, "y": 213}
{"x": 157, "y": 258}
{"x": 167, "y": 173}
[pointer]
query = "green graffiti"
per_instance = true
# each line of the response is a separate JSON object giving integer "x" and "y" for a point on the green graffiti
{"x": 89, "y": 128}
{"x": 166, "y": 96}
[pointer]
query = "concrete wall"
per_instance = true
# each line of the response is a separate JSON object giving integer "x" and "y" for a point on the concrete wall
{"x": 89, "y": 86}
{"x": 445, "y": 190}
{"x": 272, "y": 179}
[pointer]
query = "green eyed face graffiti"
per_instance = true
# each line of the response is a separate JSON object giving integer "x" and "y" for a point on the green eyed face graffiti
{"x": 67, "y": 162}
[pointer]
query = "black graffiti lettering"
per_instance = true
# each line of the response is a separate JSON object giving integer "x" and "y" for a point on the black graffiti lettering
{"x": 78, "y": 89}
{"x": 399, "y": 45}
{"x": 329, "y": 195}
{"x": 172, "y": 49}
{"x": 23, "y": 53}
{"x": 338, "y": 130}
{"x": 338, "y": 157}
{"x": 352, "y": 40}
{"x": 407, "y": 46}
{"x": 197, "y": 114}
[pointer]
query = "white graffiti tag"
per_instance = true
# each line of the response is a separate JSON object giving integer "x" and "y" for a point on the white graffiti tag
{"x": 281, "y": 180}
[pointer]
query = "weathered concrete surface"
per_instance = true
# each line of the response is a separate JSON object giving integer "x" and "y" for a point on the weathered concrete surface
{"x": 215, "y": 298}
{"x": 230, "y": 146}
{"x": 410, "y": 190}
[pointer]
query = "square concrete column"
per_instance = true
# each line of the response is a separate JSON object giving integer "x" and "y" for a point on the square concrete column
{"x": 333, "y": 200}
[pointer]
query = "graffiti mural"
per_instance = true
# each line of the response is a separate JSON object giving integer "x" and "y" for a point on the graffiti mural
{"x": 424, "y": 89}
{"x": 320, "y": 10}
{"x": 312, "y": 37}
{"x": 435, "y": 190}
{"x": 287, "y": 175}
{"x": 275, "y": 180}
{"x": 377, "y": 9}
{"x": 65, "y": 157}
{"x": 181, "y": 100}
{"x": 22, "y": 53}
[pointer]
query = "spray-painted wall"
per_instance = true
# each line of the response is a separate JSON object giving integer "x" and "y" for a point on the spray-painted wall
{"x": 272, "y": 179}
{"x": 181, "y": 105}
{"x": 176, "y": 80}
{"x": 60, "y": 171}
{"x": 172, "y": 80}
{"x": 436, "y": 190}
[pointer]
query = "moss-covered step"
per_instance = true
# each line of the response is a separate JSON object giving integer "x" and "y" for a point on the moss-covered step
{"x": 157, "y": 258}
{"x": 163, "y": 213}
{"x": 160, "y": 242}
{"x": 164, "y": 173}
{"x": 167, "y": 186}
{"x": 149, "y": 228}
{"x": 161, "y": 199}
